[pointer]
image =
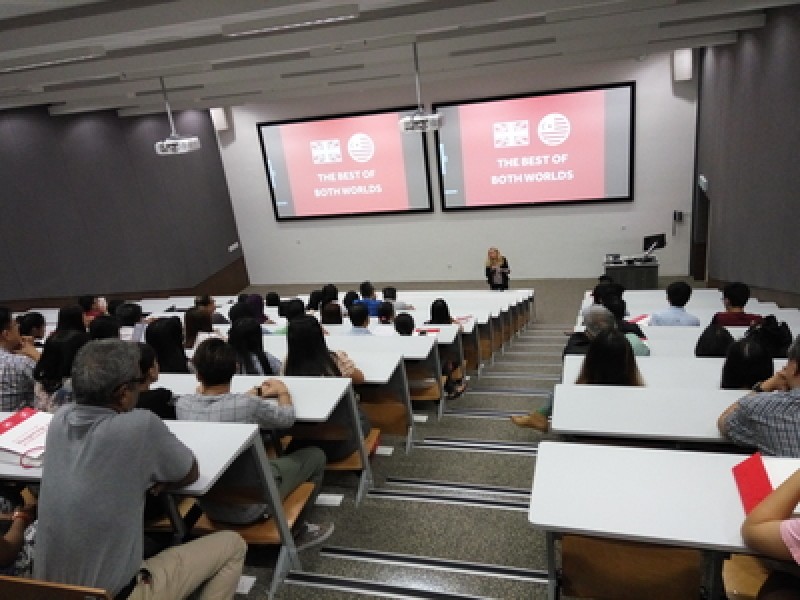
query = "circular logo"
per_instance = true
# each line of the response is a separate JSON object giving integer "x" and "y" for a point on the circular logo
{"x": 554, "y": 129}
{"x": 360, "y": 147}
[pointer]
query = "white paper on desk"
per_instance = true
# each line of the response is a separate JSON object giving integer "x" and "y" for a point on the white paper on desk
{"x": 245, "y": 584}
{"x": 779, "y": 470}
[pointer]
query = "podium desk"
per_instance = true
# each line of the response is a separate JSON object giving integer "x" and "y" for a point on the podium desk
{"x": 634, "y": 276}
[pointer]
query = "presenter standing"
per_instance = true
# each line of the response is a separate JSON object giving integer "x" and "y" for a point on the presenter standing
{"x": 497, "y": 270}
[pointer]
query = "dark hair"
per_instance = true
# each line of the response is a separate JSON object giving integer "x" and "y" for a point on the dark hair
{"x": 112, "y": 306}
{"x": 440, "y": 313}
{"x": 241, "y": 298}
{"x": 202, "y": 300}
{"x": 103, "y": 327}
{"x": 404, "y": 324}
{"x": 294, "y": 308}
{"x": 314, "y": 300}
{"x": 747, "y": 363}
{"x": 307, "y": 353}
{"x": 737, "y": 294}
{"x": 70, "y": 318}
{"x": 129, "y": 314}
{"x": 256, "y": 304}
{"x": 601, "y": 291}
{"x": 147, "y": 357}
{"x": 85, "y": 302}
{"x": 240, "y": 310}
{"x": 272, "y": 299}
{"x": 390, "y": 293}
{"x": 330, "y": 293}
{"x": 773, "y": 336}
{"x": 331, "y": 314}
{"x": 385, "y": 312}
{"x": 609, "y": 361}
{"x": 166, "y": 337}
{"x": 605, "y": 279}
{"x": 58, "y": 355}
{"x": 367, "y": 289}
{"x": 359, "y": 314}
{"x": 215, "y": 362}
{"x": 678, "y": 293}
{"x": 30, "y": 321}
{"x": 195, "y": 320}
{"x": 714, "y": 341}
{"x": 5, "y": 318}
{"x": 246, "y": 338}
{"x": 350, "y": 297}
{"x": 615, "y": 305}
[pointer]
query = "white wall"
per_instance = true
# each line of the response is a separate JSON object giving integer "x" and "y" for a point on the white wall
{"x": 543, "y": 242}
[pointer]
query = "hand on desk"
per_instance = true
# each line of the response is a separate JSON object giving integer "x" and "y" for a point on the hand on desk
{"x": 274, "y": 388}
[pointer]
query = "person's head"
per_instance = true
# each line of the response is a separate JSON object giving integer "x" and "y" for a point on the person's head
{"x": 440, "y": 312}
{"x": 609, "y": 361}
{"x": 71, "y": 318}
{"x": 616, "y": 306}
{"x": 104, "y": 327}
{"x": 404, "y": 324}
{"x": 747, "y": 363}
{"x": 106, "y": 373}
{"x": 241, "y": 298}
{"x": 32, "y": 324}
{"x": 195, "y": 320}
{"x": 714, "y": 341}
{"x": 214, "y": 362}
{"x": 256, "y": 304}
{"x": 112, "y": 306}
{"x": 314, "y": 300}
{"x": 246, "y": 338}
{"x": 348, "y": 299}
{"x": 678, "y": 293}
{"x": 148, "y": 364}
{"x": 330, "y": 293}
{"x": 493, "y": 257}
{"x": 601, "y": 291}
{"x": 88, "y": 303}
{"x": 10, "y": 337}
{"x": 735, "y": 295}
{"x": 294, "y": 308}
{"x": 239, "y": 311}
{"x": 129, "y": 314}
{"x": 367, "y": 290}
{"x": 166, "y": 337}
{"x": 307, "y": 353}
{"x": 605, "y": 279}
{"x": 386, "y": 312}
{"x": 359, "y": 315}
{"x": 331, "y": 314}
{"x": 389, "y": 293}
{"x": 206, "y": 303}
{"x": 58, "y": 356}
{"x": 273, "y": 299}
{"x": 598, "y": 319}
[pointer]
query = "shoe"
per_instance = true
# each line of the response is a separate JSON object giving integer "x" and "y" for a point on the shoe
{"x": 458, "y": 392}
{"x": 534, "y": 420}
{"x": 311, "y": 534}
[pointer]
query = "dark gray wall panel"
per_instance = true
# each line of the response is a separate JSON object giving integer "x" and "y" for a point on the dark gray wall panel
{"x": 749, "y": 135}
{"x": 89, "y": 207}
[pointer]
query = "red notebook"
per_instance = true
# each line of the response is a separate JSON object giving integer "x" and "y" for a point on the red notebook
{"x": 753, "y": 481}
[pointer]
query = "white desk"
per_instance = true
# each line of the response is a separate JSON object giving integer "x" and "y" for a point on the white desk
{"x": 669, "y": 497}
{"x": 667, "y": 371}
{"x": 667, "y": 414}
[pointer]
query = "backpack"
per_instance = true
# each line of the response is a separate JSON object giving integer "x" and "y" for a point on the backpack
{"x": 775, "y": 337}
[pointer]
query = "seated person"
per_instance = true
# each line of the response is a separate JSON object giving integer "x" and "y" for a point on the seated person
{"x": 440, "y": 315}
{"x": 368, "y": 298}
{"x": 195, "y": 321}
{"x": 92, "y": 306}
{"x": 596, "y": 319}
{"x": 385, "y": 313}
{"x": 772, "y": 531}
{"x": 248, "y": 341}
{"x": 269, "y": 406}
{"x": 16, "y": 544}
{"x": 18, "y": 357}
{"x": 349, "y": 298}
{"x": 404, "y": 324}
{"x": 618, "y": 308}
{"x": 104, "y": 327}
{"x": 33, "y": 325}
{"x": 678, "y": 294}
{"x": 165, "y": 336}
{"x": 769, "y": 417}
{"x": 129, "y": 314}
{"x": 359, "y": 319}
{"x": 294, "y": 308}
{"x": 314, "y": 301}
{"x": 746, "y": 363}
{"x": 256, "y": 304}
{"x": 714, "y": 341}
{"x": 158, "y": 400}
{"x": 330, "y": 293}
{"x": 735, "y": 295}
{"x": 331, "y": 314}
{"x": 103, "y": 457}
{"x": 390, "y": 295}
{"x": 207, "y": 303}
{"x": 52, "y": 372}
{"x": 272, "y": 299}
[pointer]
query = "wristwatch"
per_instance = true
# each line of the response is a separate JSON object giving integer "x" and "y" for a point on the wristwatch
{"x": 757, "y": 387}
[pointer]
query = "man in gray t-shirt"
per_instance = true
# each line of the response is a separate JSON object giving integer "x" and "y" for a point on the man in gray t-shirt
{"x": 102, "y": 458}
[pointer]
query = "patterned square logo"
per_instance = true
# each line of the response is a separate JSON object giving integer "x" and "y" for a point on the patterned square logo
{"x": 510, "y": 134}
{"x": 326, "y": 151}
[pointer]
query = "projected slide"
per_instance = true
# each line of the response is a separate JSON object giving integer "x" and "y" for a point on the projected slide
{"x": 345, "y": 166}
{"x": 570, "y": 146}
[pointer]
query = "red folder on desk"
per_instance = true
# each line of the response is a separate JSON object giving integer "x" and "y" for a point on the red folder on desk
{"x": 753, "y": 481}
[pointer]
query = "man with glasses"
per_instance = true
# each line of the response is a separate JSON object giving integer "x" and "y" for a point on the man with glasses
{"x": 18, "y": 357}
{"x": 102, "y": 459}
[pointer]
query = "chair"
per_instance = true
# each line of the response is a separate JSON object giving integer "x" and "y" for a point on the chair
{"x": 20, "y": 588}
{"x": 743, "y": 576}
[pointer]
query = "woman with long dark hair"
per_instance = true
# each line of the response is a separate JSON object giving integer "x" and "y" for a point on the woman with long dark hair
{"x": 52, "y": 372}
{"x": 166, "y": 337}
{"x": 440, "y": 315}
{"x": 610, "y": 361}
{"x": 196, "y": 320}
{"x": 246, "y": 337}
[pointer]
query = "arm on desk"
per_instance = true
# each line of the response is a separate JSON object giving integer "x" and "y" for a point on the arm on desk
{"x": 761, "y": 528}
{"x": 188, "y": 479}
{"x": 722, "y": 421}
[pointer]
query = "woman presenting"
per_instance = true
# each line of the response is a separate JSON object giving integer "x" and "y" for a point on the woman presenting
{"x": 497, "y": 270}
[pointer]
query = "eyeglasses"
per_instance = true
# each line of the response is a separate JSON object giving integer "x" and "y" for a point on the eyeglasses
{"x": 131, "y": 383}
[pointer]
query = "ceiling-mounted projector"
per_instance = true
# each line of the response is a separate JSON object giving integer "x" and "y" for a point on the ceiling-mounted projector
{"x": 420, "y": 122}
{"x": 177, "y": 144}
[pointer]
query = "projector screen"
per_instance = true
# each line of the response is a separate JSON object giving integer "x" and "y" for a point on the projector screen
{"x": 554, "y": 147}
{"x": 347, "y": 165}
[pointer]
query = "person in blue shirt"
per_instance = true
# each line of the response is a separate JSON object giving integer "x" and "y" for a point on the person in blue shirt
{"x": 678, "y": 294}
{"x": 368, "y": 298}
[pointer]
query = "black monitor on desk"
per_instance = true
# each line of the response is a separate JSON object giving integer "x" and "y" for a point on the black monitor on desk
{"x": 652, "y": 242}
